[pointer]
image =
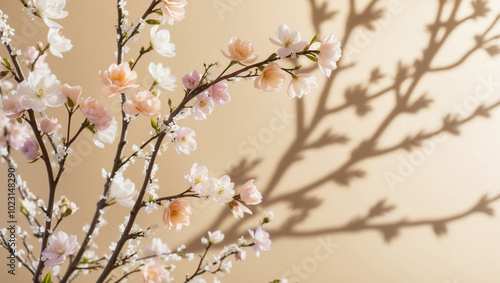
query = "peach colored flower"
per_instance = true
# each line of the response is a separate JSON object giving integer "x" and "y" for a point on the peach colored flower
{"x": 143, "y": 102}
{"x": 176, "y": 214}
{"x": 96, "y": 113}
{"x": 60, "y": 246}
{"x": 155, "y": 272}
{"x": 173, "y": 10}
{"x": 271, "y": 78}
{"x": 48, "y": 125}
{"x": 11, "y": 107}
{"x": 249, "y": 193}
{"x": 238, "y": 209}
{"x": 118, "y": 78}
{"x": 329, "y": 53}
{"x": 240, "y": 51}
{"x": 72, "y": 92}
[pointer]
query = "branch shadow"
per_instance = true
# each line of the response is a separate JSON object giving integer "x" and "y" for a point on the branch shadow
{"x": 359, "y": 97}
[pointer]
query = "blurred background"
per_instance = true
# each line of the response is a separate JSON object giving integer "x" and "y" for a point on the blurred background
{"x": 388, "y": 172}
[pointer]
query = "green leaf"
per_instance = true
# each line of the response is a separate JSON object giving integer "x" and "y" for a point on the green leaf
{"x": 170, "y": 103}
{"x": 3, "y": 74}
{"x": 19, "y": 120}
{"x": 315, "y": 38}
{"x": 261, "y": 68}
{"x": 272, "y": 56}
{"x": 6, "y": 63}
{"x": 71, "y": 104}
{"x": 47, "y": 279}
{"x": 153, "y": 22}
{"x": 312, "y": 58}
{"x": 153, "y": 124}
{"x": 91, "y": 128}
{"x": 158, "y": 11}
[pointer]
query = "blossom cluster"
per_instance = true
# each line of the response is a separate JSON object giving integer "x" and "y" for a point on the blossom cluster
{"x": 25, "y": 126}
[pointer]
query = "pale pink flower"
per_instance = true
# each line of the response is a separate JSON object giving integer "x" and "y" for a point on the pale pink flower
{"x": 157, "y": 248}
{"x": 288, "y": 40}
{"x": 219, "y": 93}
{"x": 213, "y": 238}
{"x": 30, "y": 149}
{"x": 238, "y": 209}
{"x": 40, "y": 66}
{"x": 301, "y": 85}
{"x": 173, "y": 10}
{"x": 11, "y": 107}
{"x": 13, "y": 133}
{"x": 58, "y": 43}
{"x": 249, "y": 193}
{"x": 30, "y": 54}
{"x": 220, "y": 190}
{"x": 118, "y": 78}
{"x": 329, "y": 54}
{"x": 66, "y": 207}
{"x": 72, "y": 92}
{"x": 191, "y": 80}
{"x": 96, "y": 113}
{"x": 155, "y": 272}
{"x": 241, "y": 254}
{"x": 40, "y": 91}
{"x": 203, "y": 106}
{"x": 184, "y": 140}
{"x": 51, "y": 9}
{"x": 123, "y": 191}
{"x": 160, "y": 41}
{"x": 198, "y": 176}
{"x": 48, "y": 125}
{"x": 60, "y": 246}
{"x": 261, "y": 240}
{"x": 143, "y": 102}
{"x": 271, "y": 78}
{"x": 240, "y": 51}
{"x": 107, "y": 135}
{"x": 176, "y": 214}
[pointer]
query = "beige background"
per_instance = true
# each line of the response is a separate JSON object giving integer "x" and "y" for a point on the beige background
{"x": 439, "y": 184}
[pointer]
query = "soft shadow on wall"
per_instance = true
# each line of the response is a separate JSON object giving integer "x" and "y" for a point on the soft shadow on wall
{"x": 402, "y": 86}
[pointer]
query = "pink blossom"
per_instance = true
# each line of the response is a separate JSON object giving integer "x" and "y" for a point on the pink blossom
{"x": 13, "y": 133}
{"x": 40, "y": 66}
{"x": 173, "y": 10}
{"x": 249, "y": 193}
{"x": 60, "y": 246}
{"x": 30, "y": 149}
{"x": 301, "y": 85}
{"x": 203, "y": 106}
{"x": 261, "y": 240}
{"x": 66, "y": 207}
{"x": 271, "y": 78}
{"x": 220, "y": 190}
{"x": 238, "y": 209}
{"x": 241, "y": 255}
{"x": 157, "y": 248}
{"x": 48, "y": 125}
{"x": 155, "y": 272}
{"x": 191, "y": 80}
{"x": 198, "y": 176}
{"x": 219, "y": 93}
{"x": 240, "y": 51}
{"x": 11, "y": 107}
{"x": 143, "y": 102}
{"x": 72, "y": 92}
{"x": 329, "y": 54}
{"x": 176, "y": 214}
{"x": 288, "y": 40}
{"x": 118, "y": 78}
{"x": 184, "y": 140}
{"x": 96, "y": 113}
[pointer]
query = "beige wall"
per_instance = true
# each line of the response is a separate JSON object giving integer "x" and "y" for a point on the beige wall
{"x": 439, "y": 186}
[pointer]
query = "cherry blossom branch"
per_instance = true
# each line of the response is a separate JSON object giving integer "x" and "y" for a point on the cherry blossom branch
{"x": 5, "y": 245}
{"x": 197, "y": 272}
